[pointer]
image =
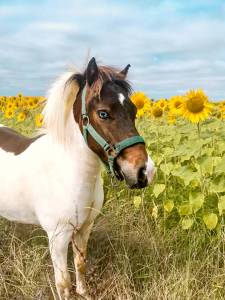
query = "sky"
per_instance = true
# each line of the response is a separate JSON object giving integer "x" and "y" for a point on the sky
{"x": 172, "y": 45}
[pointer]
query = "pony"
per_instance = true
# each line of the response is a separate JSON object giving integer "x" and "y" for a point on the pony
{"x": 54, "y": 179}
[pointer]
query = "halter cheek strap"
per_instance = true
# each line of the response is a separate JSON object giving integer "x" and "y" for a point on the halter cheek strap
{"x": 112, "y": 150}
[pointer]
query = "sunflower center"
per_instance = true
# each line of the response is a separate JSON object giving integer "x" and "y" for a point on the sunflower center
{"x": 195, "y": 105}
{"x": 139, "y": 103}
{"x": 177, "y": 104}
{"x": 157, "y": 112}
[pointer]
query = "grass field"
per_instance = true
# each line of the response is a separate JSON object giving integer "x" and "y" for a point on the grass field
{"x": 130, "y": 257}
{"x": 164, "y": 242}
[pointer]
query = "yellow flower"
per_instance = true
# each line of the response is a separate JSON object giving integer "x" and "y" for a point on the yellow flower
{"x": 24, "y": 102}
{"x": 139, "y": 99}
{"x": 157, "y": 111}
{"x": 145, "y": 110}
{"x": 10, "y": 105}
{"x": 162, "y": 103}
{"x": 21, "y": 116}
{"x": 222, "y": 106}
{"x": 175, "y": 104}
{"x": 9, "y": 113}
{"x": 39, "y": 120}
{"x": 31, "y": 104}
{"x": 36, "y": 101}
{"x": 20, "y": 95}
{"x": 195, "y": 107}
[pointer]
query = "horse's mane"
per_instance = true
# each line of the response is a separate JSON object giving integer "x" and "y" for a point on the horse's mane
{"x": 58, "y": 108}
{"x": 58, "y": 111}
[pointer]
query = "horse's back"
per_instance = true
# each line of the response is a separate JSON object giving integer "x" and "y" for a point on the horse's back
{"x": 14, "y": 142}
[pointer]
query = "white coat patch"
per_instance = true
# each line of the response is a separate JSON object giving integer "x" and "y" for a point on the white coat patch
{"x": 121, "y": 98}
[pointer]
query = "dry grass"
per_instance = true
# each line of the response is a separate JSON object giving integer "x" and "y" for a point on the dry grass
{"x": 130, "y": 257}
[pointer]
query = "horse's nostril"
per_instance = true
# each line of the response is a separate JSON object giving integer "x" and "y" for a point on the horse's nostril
{"x": 142, "y": 177}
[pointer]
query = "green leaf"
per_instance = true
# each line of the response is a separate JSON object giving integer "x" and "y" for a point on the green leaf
{"x": 186, "y": 223}
{"x": 207, "y": 151}
{"x": 221, "y": 146}
{"x": 185, "y": 209}
{"x": 158, "y": 159}
{"x": 221, "y": 205}
{"x": 206, "y": 164}
{"x": 216, "y": 160}
{"x": 220, "y": 168}
{"x": 184, "y": 158}
{"x": 218, "y": 185}
{"x": 186, "y": 174}
{"x": 181, "y": 150}
{"x": 196, "y": 200}
{"x": 210, "y": 220}
{"x": 158, "y": 189}
{"x": 167, "y": 168}
{"x": 137, "y": 201}
{"x": 168, "y": 205}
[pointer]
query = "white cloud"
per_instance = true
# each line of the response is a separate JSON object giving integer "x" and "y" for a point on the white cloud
{"x": 169, "y": 51}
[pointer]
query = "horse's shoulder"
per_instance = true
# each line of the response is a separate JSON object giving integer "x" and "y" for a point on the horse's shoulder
{"x": 14, "y": 142}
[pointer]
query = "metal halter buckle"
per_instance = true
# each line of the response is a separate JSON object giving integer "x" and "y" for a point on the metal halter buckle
{"x": 85, "y": 120}
{"x": 111, "y": 151}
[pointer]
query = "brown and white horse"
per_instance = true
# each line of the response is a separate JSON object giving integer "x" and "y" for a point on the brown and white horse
{"x": 54, "y": 179}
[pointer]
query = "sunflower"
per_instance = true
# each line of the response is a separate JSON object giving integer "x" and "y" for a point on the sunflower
{"x": 20, "y": 95}
{"x": 31, "y": 103}
{"x": 21, "y": 116}
{"x": 195, "y": 107}
{"x": 146, "y": 110}
{"x": 10, "y": 105}
{"x": 157, "y": 111}
{"x": 9, "y": 113}
{"x": 39, "y": 120}
{"x": 24, "y": 102}
{"x": 139, "y": 99}
{"x": 162, "y": 103}
{"x": 222, "y": 105}
{"x": 36, "y": 101}
{"x": 175, "y": 104}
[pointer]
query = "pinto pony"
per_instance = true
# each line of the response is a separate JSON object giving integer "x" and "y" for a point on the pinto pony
{"x": 54, "y": 179}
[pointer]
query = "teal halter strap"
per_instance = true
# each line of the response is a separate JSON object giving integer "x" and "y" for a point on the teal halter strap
{"x": 111, "y": 150}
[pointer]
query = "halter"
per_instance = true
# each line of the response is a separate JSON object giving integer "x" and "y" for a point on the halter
{"x": 112, "y": 150}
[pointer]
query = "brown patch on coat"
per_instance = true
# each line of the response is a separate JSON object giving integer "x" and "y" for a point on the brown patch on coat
{"x": 14, "y": 142}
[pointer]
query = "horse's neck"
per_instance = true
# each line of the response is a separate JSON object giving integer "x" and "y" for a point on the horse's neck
{"x": 78, "y": 152}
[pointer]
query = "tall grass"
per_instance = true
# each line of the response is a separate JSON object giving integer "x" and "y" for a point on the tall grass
{"x": 131, "y": 256}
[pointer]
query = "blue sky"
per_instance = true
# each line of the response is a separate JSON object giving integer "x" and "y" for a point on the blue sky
{"x": 172, "y": 45}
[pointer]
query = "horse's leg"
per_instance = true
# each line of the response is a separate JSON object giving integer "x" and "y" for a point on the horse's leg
{"x": 79, "y": 242}
{"x": 58, "y": 244}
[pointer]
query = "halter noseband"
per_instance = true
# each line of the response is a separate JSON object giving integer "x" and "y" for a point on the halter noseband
{"x": 112, "y": 150}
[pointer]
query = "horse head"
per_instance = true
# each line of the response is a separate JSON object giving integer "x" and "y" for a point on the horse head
{"x": 106, "y": 117}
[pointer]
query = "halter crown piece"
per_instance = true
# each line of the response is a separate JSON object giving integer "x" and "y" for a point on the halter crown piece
{"x": 112, "y": 150}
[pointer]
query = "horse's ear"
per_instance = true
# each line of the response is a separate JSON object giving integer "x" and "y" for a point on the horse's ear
{"x": 92, "y": 72}
{"x": 125, "y": 70}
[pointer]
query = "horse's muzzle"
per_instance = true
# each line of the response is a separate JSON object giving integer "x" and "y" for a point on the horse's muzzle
{"x": 138, "y": 177}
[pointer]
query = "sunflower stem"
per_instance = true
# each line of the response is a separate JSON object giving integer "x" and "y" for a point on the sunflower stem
{"x": 199, "y": 130}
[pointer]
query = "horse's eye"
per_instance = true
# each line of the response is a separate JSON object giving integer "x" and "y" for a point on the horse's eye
{"x": 103, "y": 114}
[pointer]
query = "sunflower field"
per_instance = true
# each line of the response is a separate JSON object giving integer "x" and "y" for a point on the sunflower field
{"x": 22, "y": 112}
{"x": 185, "y": 136}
